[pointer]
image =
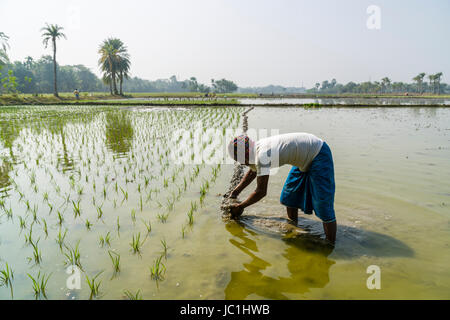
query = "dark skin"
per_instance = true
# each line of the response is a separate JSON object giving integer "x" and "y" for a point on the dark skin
{"x": 260, "y": 192}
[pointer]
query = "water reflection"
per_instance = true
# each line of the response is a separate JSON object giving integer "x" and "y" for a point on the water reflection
{"x": 119, "y": 132}
{"x": 308, "y": 266}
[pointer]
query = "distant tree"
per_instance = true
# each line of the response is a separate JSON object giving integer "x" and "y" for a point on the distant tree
{"x": 419, "y": 81}
{"x": 437, "y": 80}
{"x": 53, "y": 32}
{"x": 223, "y": 86}
{"x": 385, "y": 83}
{"x": 431, "y": 78}
{"x": 317, "y": 85}
{"x": 29, "y": 62}
{"x": 113, "y": 54}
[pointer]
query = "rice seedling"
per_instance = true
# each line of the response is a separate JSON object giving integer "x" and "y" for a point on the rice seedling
{"x": 50, "y": 207}
{"x": 45, "y": 227}
{"x": 118, "y": 224}
{"x": 88, "y": 224}
{"x": 40, "y": 285}
{"x": 6, "y": 278}
{"x": 190, "y": 215}
{"x": 147, "y": 225}
{"x": 36, "y": 252}
{"x": 115, "y": 259}
{"x": 162, "y": 217}
{"x": 158, "y": 269}
{"x": 99, "y": 212}
{"x": 125, "y": 194}
{"x": 76, "y": 208}
{"x": 60, "y": 238}
{"x": 105, "y": 240}
{"x": 80, "y": 190}
{"x": 28, "y": 236}
{"x": 165, "y": 247}
{"x": 22, "y": 223}
{"x": 73, "y": 255}
{"x": 45, "y": 196}
{"x": 9, "y": 213}
{"x": 133, "y": 215}
{"x": 136, "y": 243}
{"x": 60, "y": 218}
{"x": 131, "y": 296}
{"x": 183, "y": 231}
{"x": 94, "y": 285}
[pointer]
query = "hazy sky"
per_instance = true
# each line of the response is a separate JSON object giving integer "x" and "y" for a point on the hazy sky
{"x": 253, "y": 42}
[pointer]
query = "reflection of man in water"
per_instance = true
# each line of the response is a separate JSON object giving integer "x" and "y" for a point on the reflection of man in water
{"x": 308, "y": 267}
{"x": 309, "y": 185}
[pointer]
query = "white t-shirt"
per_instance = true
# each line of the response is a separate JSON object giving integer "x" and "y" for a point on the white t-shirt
{"x": 297, "y": 149}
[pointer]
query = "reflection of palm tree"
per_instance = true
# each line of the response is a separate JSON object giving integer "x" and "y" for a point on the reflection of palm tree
{"x": 119, "y": 132}
{"x": 5, "y": 169}
{"x": 308, "y": 268}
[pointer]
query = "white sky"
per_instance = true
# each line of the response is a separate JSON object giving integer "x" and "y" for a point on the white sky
{"x": 252, "y": 42}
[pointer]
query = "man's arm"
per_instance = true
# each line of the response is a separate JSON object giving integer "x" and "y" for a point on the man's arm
{"x": 246, "y": 180}
{"x": 255, "y": 196}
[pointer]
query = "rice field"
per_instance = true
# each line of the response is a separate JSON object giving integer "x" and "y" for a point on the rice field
{"x": 98, "y": 188}
{"x": 96, "y": 204}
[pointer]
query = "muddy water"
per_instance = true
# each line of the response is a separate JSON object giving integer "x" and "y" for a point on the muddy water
{"x": 392, "y": 201}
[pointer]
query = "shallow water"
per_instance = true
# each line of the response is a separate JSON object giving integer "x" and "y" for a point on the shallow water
{"x": 347, "y": 101}
{"x": 392, "y": 200}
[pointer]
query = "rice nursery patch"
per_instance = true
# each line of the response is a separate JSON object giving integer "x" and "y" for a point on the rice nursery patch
{"x": 99, "y": 188}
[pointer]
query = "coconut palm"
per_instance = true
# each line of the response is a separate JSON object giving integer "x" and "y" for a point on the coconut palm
{"x": 123, "y": 68}
{"x": 431, "y": 78}
{"x": 419, "y": 80}
{"x": 385, "y": 83}
{"x": 4, "y": 45}
{"x": 113, "y": 59}
{"x": 53, "y": 32}
{"x": 437, "y": 80}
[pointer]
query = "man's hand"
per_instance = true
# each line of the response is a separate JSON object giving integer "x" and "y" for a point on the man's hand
{"x": 234, "y": 194}
{"x": 236, "y": 210}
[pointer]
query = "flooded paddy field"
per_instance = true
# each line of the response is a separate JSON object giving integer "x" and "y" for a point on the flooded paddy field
{"x": 100, "y": 188}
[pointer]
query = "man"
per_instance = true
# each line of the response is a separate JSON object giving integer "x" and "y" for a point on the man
{"x": 309, "y": 185}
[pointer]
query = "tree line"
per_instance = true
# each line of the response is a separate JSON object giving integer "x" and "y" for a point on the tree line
{"x": 419, "y": 86}
{"x": 46, "y": 76}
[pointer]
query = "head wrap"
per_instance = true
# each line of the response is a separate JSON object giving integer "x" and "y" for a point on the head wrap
{"x": 240, "y": 148}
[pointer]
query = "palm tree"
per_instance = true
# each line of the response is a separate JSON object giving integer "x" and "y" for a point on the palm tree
{"x": 4, "y": 45}
{"x": 431, "y": 77}
{"x": 437, "y": 79}
{"x": 53, "y": 32}
{"x": 385, "y": 82}
{"x": 123, "y": 67}
{"x": 419, "y": 80}
{"x": 114, "y": 60}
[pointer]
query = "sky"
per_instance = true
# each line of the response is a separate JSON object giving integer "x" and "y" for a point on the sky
{"x": 252, "y": 42}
